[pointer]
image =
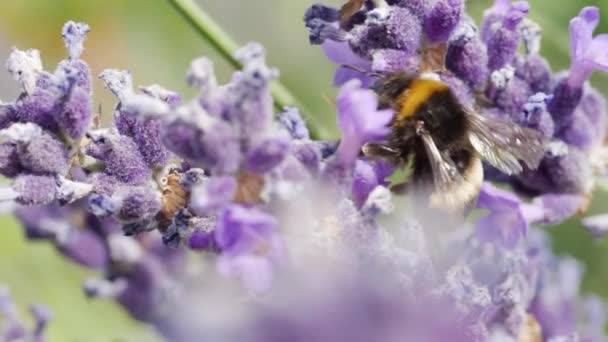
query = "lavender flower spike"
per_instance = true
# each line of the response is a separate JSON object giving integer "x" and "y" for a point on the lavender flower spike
{"x": 74, "y": 35}
{"x": 359, "y": 120}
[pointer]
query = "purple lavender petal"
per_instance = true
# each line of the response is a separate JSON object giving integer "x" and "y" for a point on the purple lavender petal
{"x": 588, "y": 53}
{"x": 340, "y": 53}
{"x": 359, "y": 120}
{"x": 506, "y": 223}
{"x": 294, "y": 123}
{"x": 212, "y": 195}
{"x": 267, "y": 154}
{"x": 242, "y": 230}
{"x": 559, "y": 207}
{"x": 256, "y": 273}
{"x": 368, "y": 176}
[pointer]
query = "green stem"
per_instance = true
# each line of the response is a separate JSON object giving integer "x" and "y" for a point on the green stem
{"x": 221, "y": 41}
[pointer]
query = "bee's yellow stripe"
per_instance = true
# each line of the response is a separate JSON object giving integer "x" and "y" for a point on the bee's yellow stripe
{"x": 416, "y": 95}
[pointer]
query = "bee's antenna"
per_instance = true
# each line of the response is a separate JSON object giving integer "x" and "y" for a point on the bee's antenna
{"x": 363, "y": 71}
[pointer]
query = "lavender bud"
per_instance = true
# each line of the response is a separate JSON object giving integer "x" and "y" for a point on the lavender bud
{"x": 35, "y": 190}
{"x": 74, "y": 35}
{"x": 76, "y": 116}
{"x": 443, "y": 19}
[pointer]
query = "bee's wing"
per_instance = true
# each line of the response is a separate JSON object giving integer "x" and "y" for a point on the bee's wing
{"x": 504, "y": 144}
{"x": 445, "y": 172}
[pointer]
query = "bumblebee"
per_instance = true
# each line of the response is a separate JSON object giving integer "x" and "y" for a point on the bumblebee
{"x": 445, "y": 142}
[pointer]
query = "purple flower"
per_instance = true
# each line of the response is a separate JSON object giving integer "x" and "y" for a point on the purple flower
{"x": 43, "y": 154}
{"x": 120, "y": 155}
{"x": 554, "y": 305}
{"x": 294, "y": 124}
{"x": 588, "y": 53}
{"x": 75, "y": 117}
{"x": 504, "y": 42}
{"x": 467, "y": 57}
{"x": 398, "y": 29}
{"x": 509, "y": 219}
{"x": 536, "y": 71}
{"x": 267, "y": 154}
{"x": 359, "y": 120}
{"x": 340, "y": 53}
{"x": 137, "y": 203}
{"x": 250, "y": 246}
{"x": 9, "y": 160}
{"x": 213, "y": 194}
{"x": 34, "y": 190}
{"x": 367, "y": 177}
{"x": 443, "y": 19}
{"x": 535, "y": 115}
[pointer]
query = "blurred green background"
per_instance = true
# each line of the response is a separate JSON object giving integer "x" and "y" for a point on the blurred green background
{"x": 149, "y": 38}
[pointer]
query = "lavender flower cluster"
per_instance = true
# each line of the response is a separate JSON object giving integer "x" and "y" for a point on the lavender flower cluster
{"x": 177, "y": 199}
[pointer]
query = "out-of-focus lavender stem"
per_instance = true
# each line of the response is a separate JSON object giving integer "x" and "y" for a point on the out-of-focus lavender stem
{"x": 223, "y": 43}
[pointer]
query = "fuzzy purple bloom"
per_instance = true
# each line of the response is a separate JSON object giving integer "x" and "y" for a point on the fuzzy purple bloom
{"x": 507, "y": 223}
{"x": 35, "y": 190}
{"x": 75, "y": 117}
{"x": 213, "y": 194}
{"x": 137, "y": 204}
{"x": 267, "y": 154}
{"x": 504, "y": 42}
{"x": 443, "y": 19}
{"x": 294, "y": 123}
{"x": 588, "y": 53}
{"x": 250, "y": 246}
{"x": 467, "y": 57}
